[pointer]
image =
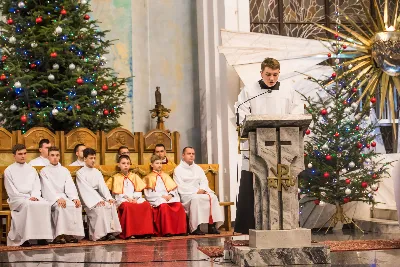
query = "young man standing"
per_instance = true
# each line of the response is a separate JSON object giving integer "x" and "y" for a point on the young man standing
{"x": 31, "y": 214}
{"x": 78, "y": 150}
{"x": 42, "y": 160}
{"x": 98, "y": 203}
{"x": 59, "y": 189}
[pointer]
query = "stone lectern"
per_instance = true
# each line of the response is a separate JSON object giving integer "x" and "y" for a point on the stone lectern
{"x": 276, "y": 159}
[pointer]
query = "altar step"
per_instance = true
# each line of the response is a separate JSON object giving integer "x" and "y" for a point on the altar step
{"x": 385, "y": 214}
{"x": 380, "y": 226}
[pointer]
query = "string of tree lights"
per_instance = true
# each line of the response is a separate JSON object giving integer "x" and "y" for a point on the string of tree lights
{"x": 53, "y": 71}
{"x": 340, "y": 159}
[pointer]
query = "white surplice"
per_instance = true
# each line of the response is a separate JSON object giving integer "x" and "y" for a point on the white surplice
{"x": 77, "y": 163}
{"x": 92, "y": 189}
{"x": 154, "y": 197}
{"x": 31, "y": 220}
{"x": 57, "y": 183}
{"x": 39, "y": 161}
{"x": 129, "y": 191}
{"x": 191, "y": 178}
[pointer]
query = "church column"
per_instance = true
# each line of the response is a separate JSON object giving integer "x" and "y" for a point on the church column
{"x": 219, "y": 88}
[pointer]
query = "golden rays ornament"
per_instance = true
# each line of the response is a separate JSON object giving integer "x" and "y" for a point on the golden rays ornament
{"x": 374, "y": 49}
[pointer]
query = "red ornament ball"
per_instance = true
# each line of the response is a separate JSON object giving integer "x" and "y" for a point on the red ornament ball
{"x": 78, "y": 107}
{"x": 333, "y": 75}
{"x": 114, "y": 84}
{"x": 86, "y": 17}
{"x": 3, "y": 58}
{"x": 374, "y": 176}
{"x": 359, "y": 145}
{"x": 368, "y": 145}
{"x": 10, "y": 21}
{"x": 323, "y": 112}
{"x": 346, "y": 199}
{"x": 326, "y": 175}
{"x": 373, "y": 100}
{"x": 45, "y": 91}
{"x": 63, "y": 12}
{"x": 33, "y": 65}
{"x": 373, "y": 144}
{"x": 336, "y": 35}
{"x": 329, "y": 54}
{"x": 104, "y": 87}
{"x": 105, "y": 112}
{"x": 364, "y": 184}
{"x": 345, "y": 102}
{"x": 336, "y": 134}
{"x": 39, "y": 20}
{"x": 328, "y": 157}
{"x": 316, "y": 202}
{"x": 53, "y": 54}
{"x": 305, "y": 155}
{"x": 112, "y": 111}
{"x": 348, "y": 181}
{"x": 344, "y": 46}
{"x": 354, "y": 90}
{"x": 3, "y": 77}
{"x": 357, "y": 128}
{"x": 23, "y": 119}
{"x": 308, "y": 131}
{"x": 79, "y": 81}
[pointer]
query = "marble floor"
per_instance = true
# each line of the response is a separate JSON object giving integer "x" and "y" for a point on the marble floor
{"x": 179, "y": 253}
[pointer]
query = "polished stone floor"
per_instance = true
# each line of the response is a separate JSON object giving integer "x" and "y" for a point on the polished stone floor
{"x": 180, "y": 253}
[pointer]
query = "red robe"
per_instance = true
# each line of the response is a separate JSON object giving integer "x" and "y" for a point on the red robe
{"x": 135, "y": 219}
{"x": 169, "y": 218}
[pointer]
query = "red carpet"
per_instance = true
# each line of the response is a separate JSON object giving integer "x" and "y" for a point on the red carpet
{"x": 85, "y": 242}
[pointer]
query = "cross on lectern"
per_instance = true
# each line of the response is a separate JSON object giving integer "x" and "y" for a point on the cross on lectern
{"x": 282, "y": 175}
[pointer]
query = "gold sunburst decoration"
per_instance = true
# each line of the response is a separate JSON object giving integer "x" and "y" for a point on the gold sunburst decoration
{"x": 374, "y": 53}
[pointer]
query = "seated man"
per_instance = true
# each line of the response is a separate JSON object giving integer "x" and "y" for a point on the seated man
{"x": 78, "y": 150}
{"x": 31, "y": 214}
{"x": 168, "y": 213}
{"x": 42, "y": 160}
{"x": 122, "y": 150}
{"x": 97, "y": 201}
{"x": 200, "y": 202}
{"x": 59, "y": 189}
{"x": 160, "y": 151}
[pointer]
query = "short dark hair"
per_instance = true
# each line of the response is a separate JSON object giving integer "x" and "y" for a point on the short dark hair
{"x": 43, "y": 141}
{"x": 154, "y": 158}
{"x": 159, "y": 145}
{"x": 77, "y": 147}
{"x": 124, "y": 157}
{"x": 122, "y": 147}
{"x": 18, "y": 147}
{"x": 186, "y": 147}
{"x": 88, "y": 151}
{"x": 53, "y": 148}
{"x": 271, "y": 63}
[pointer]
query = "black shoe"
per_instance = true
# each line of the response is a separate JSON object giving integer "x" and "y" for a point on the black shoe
{"x": 198, "y": 232}
{"x": 111, "y": 237}
{"x": 167, "y": 235}
{"x": 213, "y": 230}
{"x": 43, "y": 242}
{"x": 104, "y": 238}
{"x": 71, "y": 239}
{"x": 26, "y": 244}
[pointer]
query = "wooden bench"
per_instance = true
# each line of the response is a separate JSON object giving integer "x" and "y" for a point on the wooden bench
{"x": 211, "y": 171}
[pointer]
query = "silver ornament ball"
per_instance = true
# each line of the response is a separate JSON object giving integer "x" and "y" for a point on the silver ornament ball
{"x": 56, "y": 66}
{"x": 71, "y": 66}
{"x": 93, "y": 93}
{"x": 352, "y": 164}
{"x": 13, "y": 107}
{"x": 17, "y": 85}
{"x": 54, "y": 111}
{"x": 12, "y": 40}
{"x": 322, "y": 203}
{"x": 347, "y": 191}
{"x": 309, "y": 165}
{"x": 51, "y": 77}
{"x": 58, "y": 30}
{"x": 34, "y": 45}
{"x": 21, "y": 4}
{"x": 374, "y": 187}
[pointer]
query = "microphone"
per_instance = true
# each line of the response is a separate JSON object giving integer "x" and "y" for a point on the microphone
{"x": 276, "y": 87}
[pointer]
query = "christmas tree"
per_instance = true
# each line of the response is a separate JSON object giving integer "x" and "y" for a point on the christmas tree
{"x": 341, "y": 163}
{"x": 53, "y": 70}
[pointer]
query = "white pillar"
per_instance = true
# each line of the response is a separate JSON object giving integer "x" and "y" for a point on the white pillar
{"x": 219, "y": 88}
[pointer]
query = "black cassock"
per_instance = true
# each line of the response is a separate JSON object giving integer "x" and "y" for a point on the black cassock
{"x": 245, "y": 204}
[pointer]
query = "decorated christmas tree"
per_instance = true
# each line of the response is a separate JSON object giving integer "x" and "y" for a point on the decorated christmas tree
{"x": 340, "y": 158}
{"x": 53, "y": 71}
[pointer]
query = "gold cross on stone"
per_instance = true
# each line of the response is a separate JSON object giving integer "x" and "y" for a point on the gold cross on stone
{"x": 283, "y": 178}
